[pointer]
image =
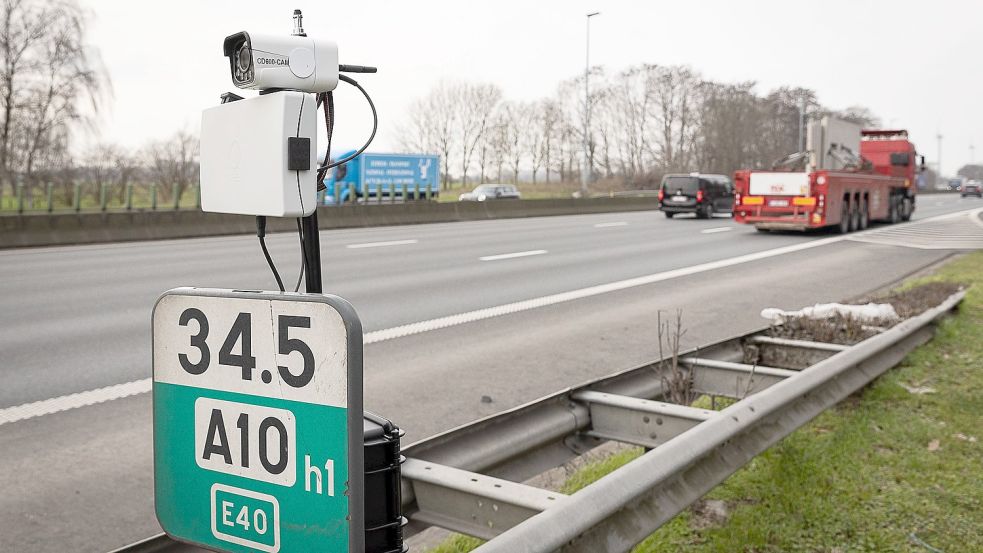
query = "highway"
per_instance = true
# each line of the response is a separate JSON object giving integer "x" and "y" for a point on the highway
{"x": 545, "y": 303}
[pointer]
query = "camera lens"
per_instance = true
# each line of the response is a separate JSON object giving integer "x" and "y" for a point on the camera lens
{"x": 244, "y": 58}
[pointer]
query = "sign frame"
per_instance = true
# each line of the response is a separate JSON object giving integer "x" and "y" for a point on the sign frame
{"x": 355, "y": 490}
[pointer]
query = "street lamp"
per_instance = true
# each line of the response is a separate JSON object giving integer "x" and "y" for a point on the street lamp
{"x": 585, "y": 172}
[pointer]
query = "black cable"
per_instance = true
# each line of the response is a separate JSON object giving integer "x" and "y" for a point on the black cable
{"x": 261, "y": 233}
{"x": 328, "y": 99}
{"x": 375, "y": 126}
{"x": 303, "y": 255}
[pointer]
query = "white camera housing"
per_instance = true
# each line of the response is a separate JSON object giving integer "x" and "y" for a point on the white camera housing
{"x": 264, "y": 62}
{"x": 258, "y": 156}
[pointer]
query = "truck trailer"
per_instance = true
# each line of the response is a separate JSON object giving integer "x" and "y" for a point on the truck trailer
{"x": 846, "y": 178}
{"x": 383, "y": 177}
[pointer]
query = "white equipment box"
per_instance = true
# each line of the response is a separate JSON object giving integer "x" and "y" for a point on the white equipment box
{"x": 258, "y": 156}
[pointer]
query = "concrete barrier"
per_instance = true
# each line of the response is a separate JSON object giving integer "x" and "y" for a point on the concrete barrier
{"x": 29, "y": 230}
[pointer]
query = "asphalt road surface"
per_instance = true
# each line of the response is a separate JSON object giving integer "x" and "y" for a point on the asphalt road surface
{"x": 551, "y": 302}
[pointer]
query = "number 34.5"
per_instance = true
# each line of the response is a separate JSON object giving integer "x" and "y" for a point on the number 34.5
{"x": 241, "y": 333}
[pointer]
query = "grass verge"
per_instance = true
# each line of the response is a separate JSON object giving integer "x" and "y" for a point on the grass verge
{"x": 898, "y": 467}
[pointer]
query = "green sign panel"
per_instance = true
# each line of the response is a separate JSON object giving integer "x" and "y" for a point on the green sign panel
{"x": 258, "y": 421}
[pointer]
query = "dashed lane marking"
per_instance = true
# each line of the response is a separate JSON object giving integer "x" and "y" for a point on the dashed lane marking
{"x": 381, "y": 244}
{"x": 513, "y": 255}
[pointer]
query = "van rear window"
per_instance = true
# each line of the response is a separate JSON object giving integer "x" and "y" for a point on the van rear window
{"x": 686, "y": 184}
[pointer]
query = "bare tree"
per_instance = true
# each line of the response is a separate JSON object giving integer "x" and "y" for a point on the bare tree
{"x": 475, "y": 104}
{"x": 550, "y": 120}
{"x": 512, "y": 117}
{"x": 50, "y": 83}
{"x": 432, "y": 126}
{"x": 113, "y": 166}
{"x": 534, "y": 134}
{"x": 173, "y": 163}
{"x": 860, "y": 115}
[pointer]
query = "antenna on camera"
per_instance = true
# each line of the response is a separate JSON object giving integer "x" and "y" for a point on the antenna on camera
{"x": 298, "y": 24}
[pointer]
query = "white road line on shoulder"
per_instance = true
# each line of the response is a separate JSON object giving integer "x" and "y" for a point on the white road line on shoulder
{"x": 716, "y": 230}
{"x": 511, "y": 255}
{"x": 100, "y": 395}
{"x": 614, "y": 224}
{"x": 381, "y": 244}
{"x": 72, "y": 401}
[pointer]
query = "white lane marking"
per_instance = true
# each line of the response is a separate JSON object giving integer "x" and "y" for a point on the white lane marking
{"x": 91, "y": 397}
{"x": 716, "y": 229}
{"x": 72, "y": 401}
{"x": 381, "y": 244}
{"x": 614, "y": 224}
{"x": 511, "y": 255}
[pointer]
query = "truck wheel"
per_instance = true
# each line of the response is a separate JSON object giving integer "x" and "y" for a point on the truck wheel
{"x": 845, "y": 218}
{"x": 708, "y": 211}
{"x": 864, "y": 216}
{"x": 906, "y": 209}
{"x": 894, "y": 210}
{"x": 669, "y": 214}
{"x": 855, "y": 218}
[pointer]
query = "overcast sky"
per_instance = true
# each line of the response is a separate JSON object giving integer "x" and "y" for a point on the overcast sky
{"x": 917, "y": 65}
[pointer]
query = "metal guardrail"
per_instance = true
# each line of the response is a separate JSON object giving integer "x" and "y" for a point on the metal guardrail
{"x": 468, "y": 479}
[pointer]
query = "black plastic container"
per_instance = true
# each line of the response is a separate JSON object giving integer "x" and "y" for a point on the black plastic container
{"x": 383, "y": 510}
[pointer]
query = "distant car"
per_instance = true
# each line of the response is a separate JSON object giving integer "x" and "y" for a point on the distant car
{"x": 972, "y": 188}
{"x": 696, "y": 193}
{"x": 491, "y": 192}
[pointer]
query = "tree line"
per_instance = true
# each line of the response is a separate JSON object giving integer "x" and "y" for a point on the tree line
{"x": 645, "y": 121}
{"x": 52, "y": 90}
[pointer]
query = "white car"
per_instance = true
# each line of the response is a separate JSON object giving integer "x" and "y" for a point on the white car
{"x": 491, "y": 192}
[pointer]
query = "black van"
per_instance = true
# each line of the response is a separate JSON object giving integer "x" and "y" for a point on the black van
{"x": 703, "y": 195}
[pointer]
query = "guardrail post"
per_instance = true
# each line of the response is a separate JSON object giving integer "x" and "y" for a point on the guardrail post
{"x": 77, "y": 196}
{"x": 20, "y": 195}
{"x": 153, "y": 196}
{"x": 198, "y": 196}
{"x": 352, "y": 194}
{"x": 49, "y": 196}
{"x": 129, "y": 196}
{"x": 416, "y": 190}
{"x": 176, "y": 192}
{"x": 428, "y": 192}
{"x": 102, "y": 196}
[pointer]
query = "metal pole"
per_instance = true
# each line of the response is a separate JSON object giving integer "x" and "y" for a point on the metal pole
{"x": 312, "y": 253}
{"x": 48, "y": 193}
{"x": 585, "y": 172}
{"x": 802, "y": 124}
{"x": 939, "y": 156}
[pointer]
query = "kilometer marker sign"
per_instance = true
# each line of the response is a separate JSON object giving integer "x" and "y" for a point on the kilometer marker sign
{"x": 258, "y": 420}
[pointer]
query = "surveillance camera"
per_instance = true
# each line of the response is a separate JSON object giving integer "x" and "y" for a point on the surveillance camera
{"x": 263, "y": 62}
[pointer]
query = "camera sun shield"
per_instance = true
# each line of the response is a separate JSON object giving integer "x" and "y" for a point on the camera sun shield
{"x": 258, "y": 156}
{"x": 264, "y": 62}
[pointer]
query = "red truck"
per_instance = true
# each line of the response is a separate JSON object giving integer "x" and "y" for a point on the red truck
{"x": 849, "y": 178}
